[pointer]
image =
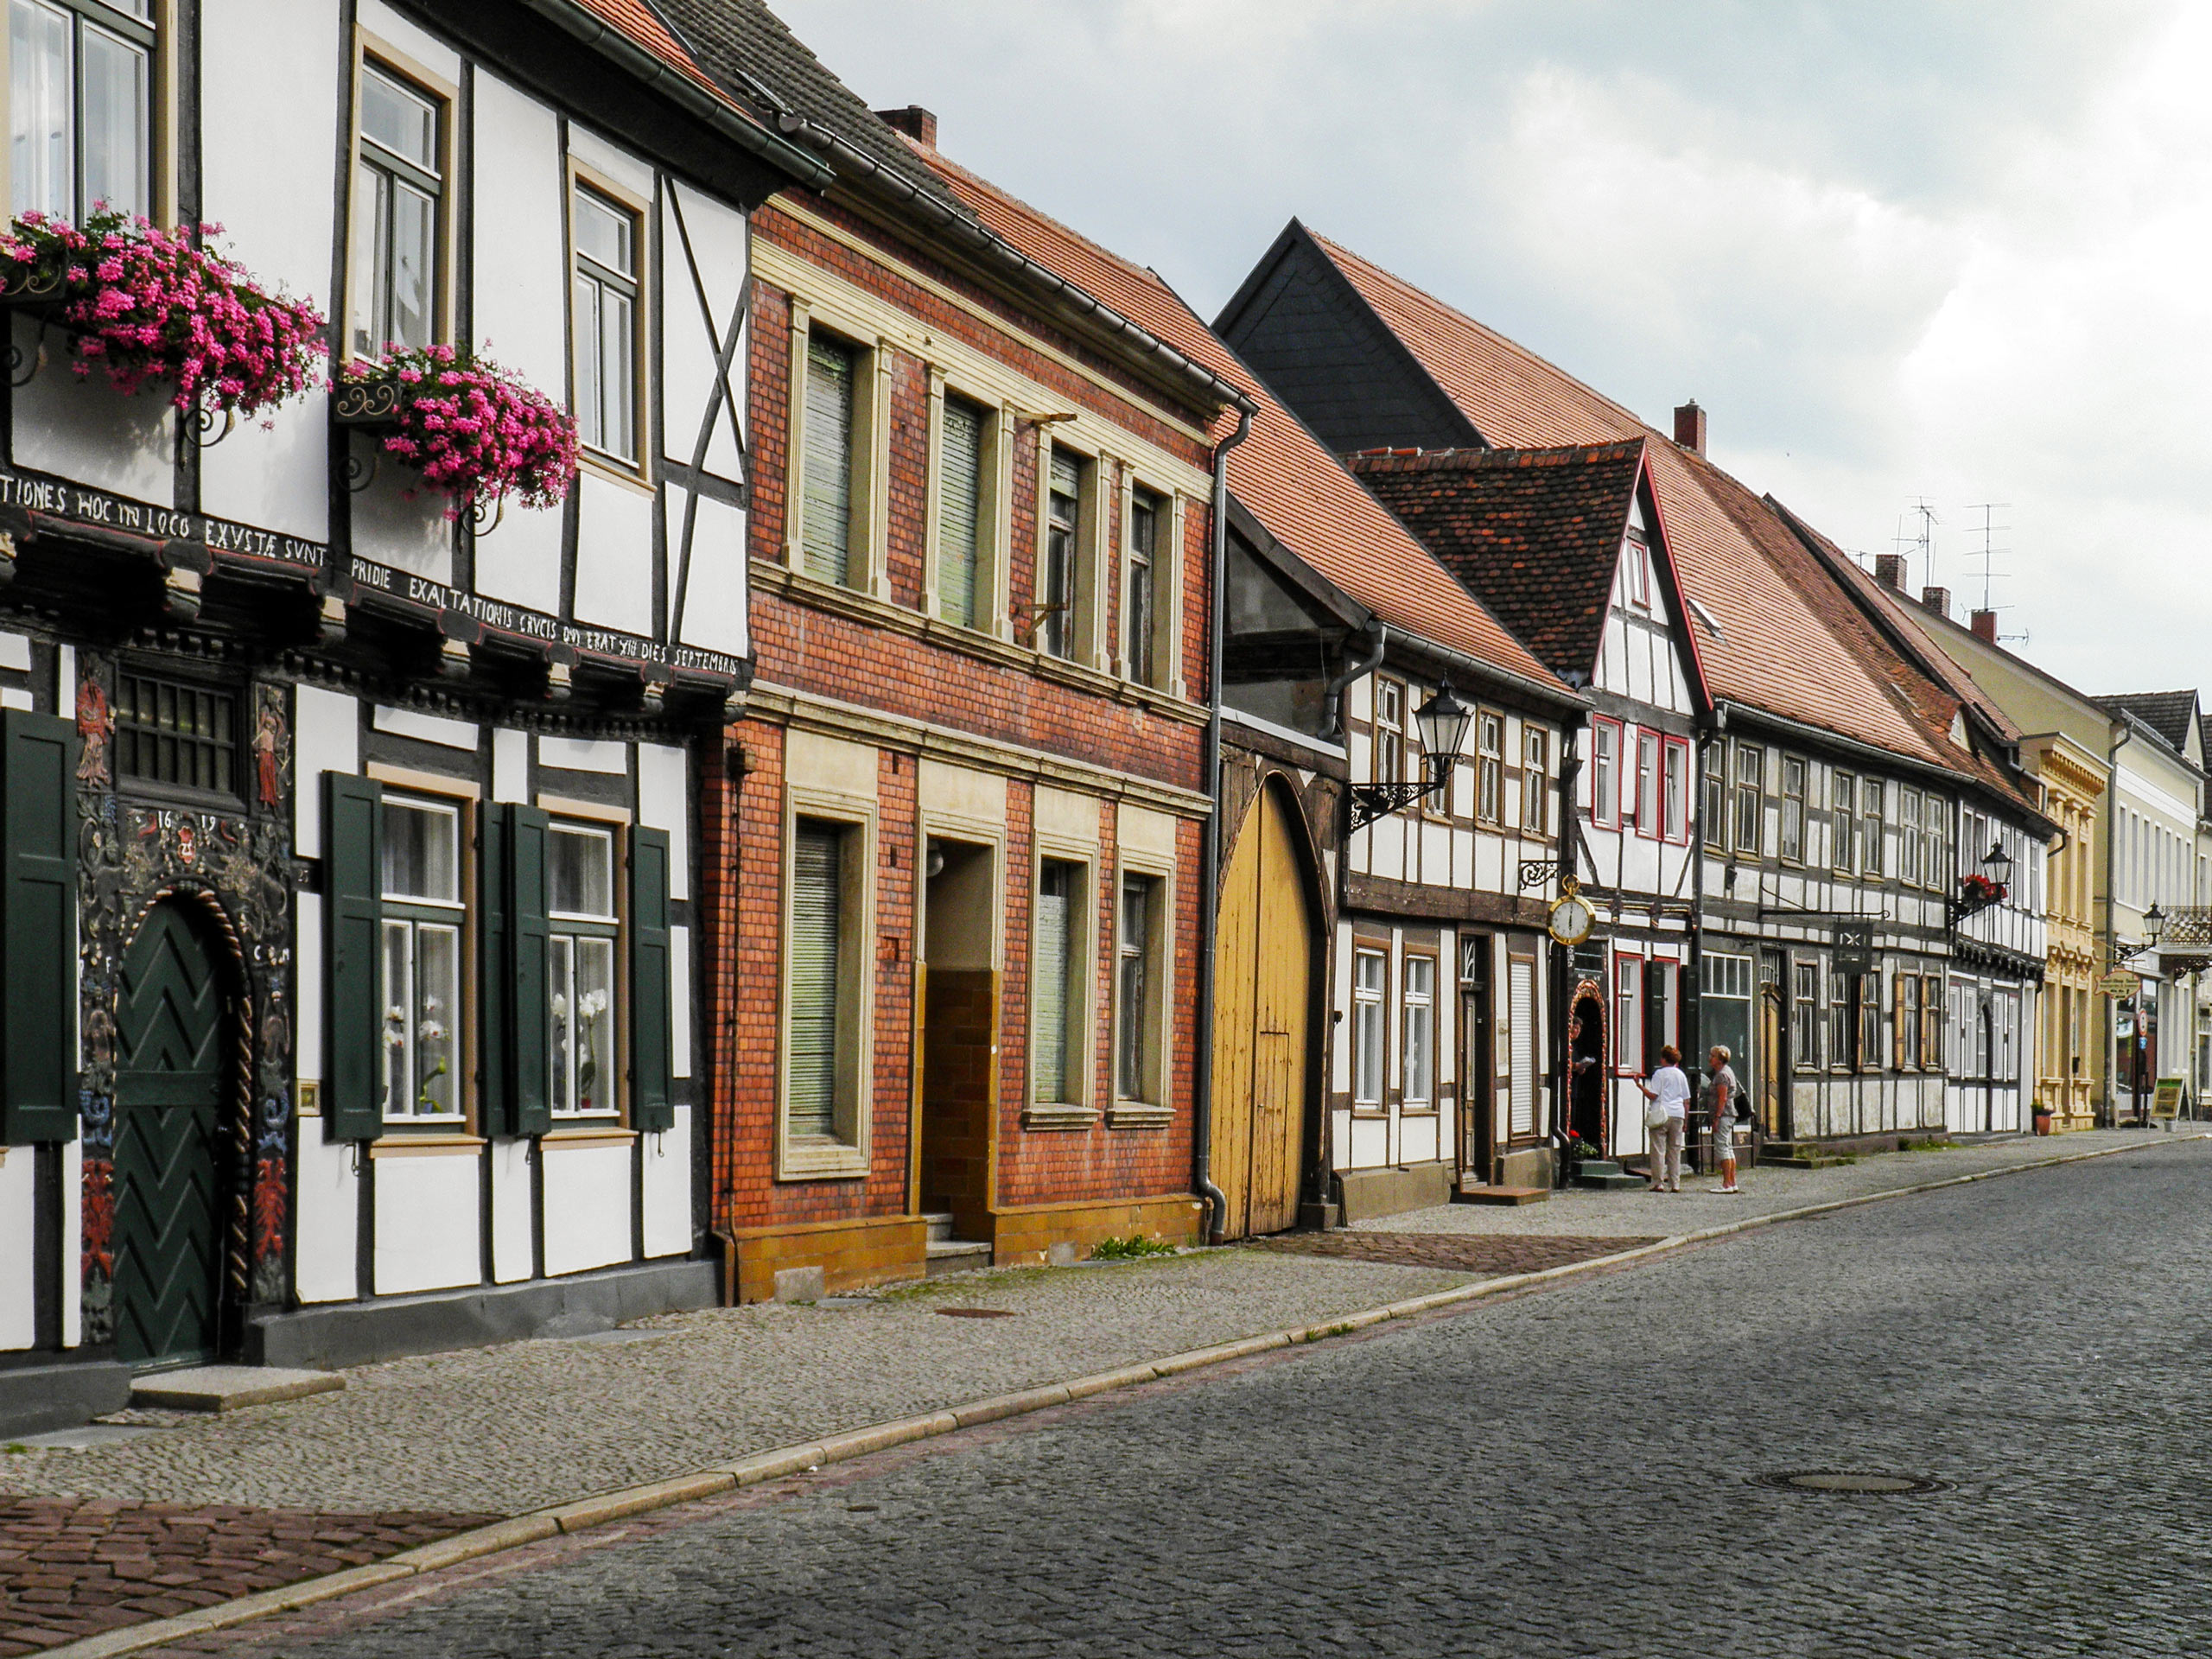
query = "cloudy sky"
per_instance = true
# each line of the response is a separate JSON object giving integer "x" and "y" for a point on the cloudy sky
{"x": 1937, "y": 249}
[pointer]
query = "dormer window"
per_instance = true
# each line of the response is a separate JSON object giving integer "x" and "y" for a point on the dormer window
{"x": 1636, "y": 572}
{"x": 79, "y": 74}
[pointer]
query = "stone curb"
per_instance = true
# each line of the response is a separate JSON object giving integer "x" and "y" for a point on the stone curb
{"x": 560, "y": 1519}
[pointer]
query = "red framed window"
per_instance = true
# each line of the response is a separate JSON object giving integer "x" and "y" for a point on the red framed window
{"x": 1674, "y": 766}
{"x": 1650, "y": 814}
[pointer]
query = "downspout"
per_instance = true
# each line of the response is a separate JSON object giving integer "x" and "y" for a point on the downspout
{"x": 2112, "y": 939}
{"x": 1210, "y": 889}
{"x": 1332, "y": 693}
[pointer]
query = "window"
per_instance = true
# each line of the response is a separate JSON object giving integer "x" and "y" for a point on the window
{"x": 604, "y": 324}
{"x": 421, "y": 964}
{"x": 821, "y": 1036}
{"x": 1793, "y": 809}
{"x": 1844, "y": 809}
{"x": 1536, "y": 781}
{"x": 1867, "y": 994}
{"x": 1931, "y": 1022}
{"x": 1628, "y": 1013}
{"x": 1872, "y": 861}
{"x": 1674, "y": 823}
{"x": 1908, "y": 1003}
{"x": 1489, "y": 767}
{"x": 1389, "y": 744}
{"x": 580, "y": 968}
{"x": 1521, "y": 1038}
{"x": 1056, "y": 580}
{"x": 1651, "y": 815}
{"x": 826, "y": 509}
{"x": 960, "y": 512}
{"x": 1636, "y": 567}
{"x": 1368, "y": 969}
{"x": 173, "y": 732}
{"x": 1839, "y": 1020}
{"x": 1805, "y": 1026}
{"x": 1056, "y": 1007}
{"x": 1417, "y": 1033}
{"x": 1716, "y": 796}
{"x": 1936, "y": 845}
{"x": 398, "y": 197}
{"x": 1605, "y": 772}
{"x": 1141, "y": 602}
{"x": 1750, "y": 775}
{"x": 80, "y": 106}
{"x": 1909, "y": 836}
{"x": 1135, "y": 1069}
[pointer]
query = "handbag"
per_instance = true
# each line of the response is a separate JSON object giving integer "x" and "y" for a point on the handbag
{"x": 1656, "y": 1115}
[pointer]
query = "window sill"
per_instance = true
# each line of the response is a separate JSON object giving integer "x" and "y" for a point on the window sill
{"x": 816, "y": 1159}
{"x": 609, "y": 1134}
{"x": 1058, "y": 1116}
{"x": 611, "y": 471}
{"x": 402, "y": 1143}
{"x": 1139, "y": 1114}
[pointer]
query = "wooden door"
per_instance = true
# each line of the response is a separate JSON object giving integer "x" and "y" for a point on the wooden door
{"x": 168, "y": 1153}
{"x": 1478, "y": 1067}
{"x": 1773, "y": 1066}
{"x": 1264, "y": 968}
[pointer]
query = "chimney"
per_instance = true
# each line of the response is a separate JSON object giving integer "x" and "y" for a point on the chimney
{"x": 1937, "y": 599}
{"x": 914, "y": 121}
{"x": 1889, "y": 570}
{"x": 1689, "y": 427}
{"x": 1985, "y": 626}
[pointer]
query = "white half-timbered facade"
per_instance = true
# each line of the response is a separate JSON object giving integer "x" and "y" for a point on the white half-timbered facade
{"x": 352, "y": 867}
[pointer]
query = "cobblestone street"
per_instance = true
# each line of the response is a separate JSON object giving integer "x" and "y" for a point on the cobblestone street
{"x": 1580, "y": 1472}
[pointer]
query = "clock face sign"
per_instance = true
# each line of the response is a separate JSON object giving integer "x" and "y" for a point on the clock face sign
{"x": 1571, "y": 919}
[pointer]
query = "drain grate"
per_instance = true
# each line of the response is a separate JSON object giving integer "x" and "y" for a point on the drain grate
{"x": 976, "y": 1313}
{"x": 1853, "y": 1480}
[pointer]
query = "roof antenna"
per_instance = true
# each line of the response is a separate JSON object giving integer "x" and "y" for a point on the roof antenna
{"x": 1989, "y": 574}
{"x": 1926, "y": 541}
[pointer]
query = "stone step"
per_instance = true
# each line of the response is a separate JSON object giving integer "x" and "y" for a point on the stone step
{"x": 1477, "y": 1193}
{"x": 1600, "y": 1167}
{"x": 940, "y": 1226}
{"x": 1618, "y": 1180}
{"x": 229, "y": 1388}
{"x": 956, "y": 1255}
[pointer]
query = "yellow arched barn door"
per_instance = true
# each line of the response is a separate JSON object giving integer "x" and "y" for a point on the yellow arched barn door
{"x": 1263, "y": 979}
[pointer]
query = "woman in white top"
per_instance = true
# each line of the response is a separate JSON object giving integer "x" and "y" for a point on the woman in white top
{"x": 1669, "y": 1090}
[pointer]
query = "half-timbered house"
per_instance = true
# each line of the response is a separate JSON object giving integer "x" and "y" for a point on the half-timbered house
{"x": 349, "y": 868}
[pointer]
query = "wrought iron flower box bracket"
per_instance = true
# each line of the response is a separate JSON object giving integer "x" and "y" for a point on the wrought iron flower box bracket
{"x": 372, "y": 407}
{"x": 31, "y": 291}
{"x": 1973, "y": 896}
{"x": 1373, "y": 801}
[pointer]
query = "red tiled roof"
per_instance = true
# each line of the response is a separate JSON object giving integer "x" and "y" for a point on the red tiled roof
{"x": 1792, "y": 643}
{"x": 1294, "y": 485}
{"x": 643, "y": 26}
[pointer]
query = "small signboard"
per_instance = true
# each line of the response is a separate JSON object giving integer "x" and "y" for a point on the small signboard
{"x": 1854, "y": 947}
{"x": 2119, "y": 985}
{"x": 2166, "y": 1103}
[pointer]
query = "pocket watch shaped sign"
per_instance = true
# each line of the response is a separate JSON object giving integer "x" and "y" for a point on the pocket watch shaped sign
{"x": 1572, "y": 917}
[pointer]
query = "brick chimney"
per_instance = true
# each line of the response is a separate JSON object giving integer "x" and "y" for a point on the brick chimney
{"x": 1889, "y": 570}
{"x": 1689, "y": 427}
{"x": 1937, "y": 599}
{"x": 914, "y": 121}
{"x": 1985, "y": 626}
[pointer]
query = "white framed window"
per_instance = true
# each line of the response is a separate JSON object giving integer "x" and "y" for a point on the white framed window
{"x": 1716, "y": 796}
{"x": 1370, "y": 970}
{"x": 1417, "y": 1032}
{"x": 1635, "y": 564}
{"x": 1389, "y": 739}
{"x": 1650, "y": 813}
{"x": 398, "y": 209}
{"x": 1805, "y": 994}
{"x": 80, "y": 74}
{"x": 1489, "y": 767}
{"x": 1536, "y": 781}
{"x": 1628, "y": 1014}
{"x": 1873, "y": 860}
{"x": 606, "y": 322}
{"x": 1793, "y": 809}
{"x": 1677, "y": 824}
{"x": 421, "y": 965}
{"x": 582, "y": 947}
{"x": 1843, "y": 815}
{"x": 1909, "y": 836}
{"x": 1750, "y": 800}
{"x": 1605, "y": 772}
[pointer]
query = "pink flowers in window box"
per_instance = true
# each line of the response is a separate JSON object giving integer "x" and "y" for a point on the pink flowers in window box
{"x": 474, "y": 431}
{"x": 157, "y": 307}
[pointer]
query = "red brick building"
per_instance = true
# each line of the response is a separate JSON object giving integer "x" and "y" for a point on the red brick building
{"x": 957, "y": 843}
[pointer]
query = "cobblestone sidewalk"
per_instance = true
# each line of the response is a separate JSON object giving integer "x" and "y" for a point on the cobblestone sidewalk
{"x": 1487, "y": 1253}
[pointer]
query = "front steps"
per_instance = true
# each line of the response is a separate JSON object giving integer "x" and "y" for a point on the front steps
{"x": 950, "y": 1254}
{"x": 1483, "y": 1192}
{"x": 1606, "y": 1175}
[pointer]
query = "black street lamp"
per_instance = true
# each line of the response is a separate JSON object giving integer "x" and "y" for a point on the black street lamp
{"x": 2154, "y": 924}
{"x": 1443, "y": 722}
{"x": 1999, "y": 863}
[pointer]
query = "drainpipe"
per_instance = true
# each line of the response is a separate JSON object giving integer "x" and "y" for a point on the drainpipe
{"x": 2112, "y": 939}
{"x": 1210, "y": 889}
{"x": 1332, "y": 693}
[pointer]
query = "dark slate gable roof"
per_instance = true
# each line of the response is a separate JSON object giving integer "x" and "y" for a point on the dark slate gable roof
{"x": 2167, "y": 713}
{"x": 746, "y": 47}
{"x": 1535, "y": 534}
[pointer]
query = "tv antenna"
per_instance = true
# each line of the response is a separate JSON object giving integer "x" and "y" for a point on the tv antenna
{"x": 1925, "y": 542}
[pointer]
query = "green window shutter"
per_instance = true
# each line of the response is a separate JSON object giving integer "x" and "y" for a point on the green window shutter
{"x": 494, "y": 971}
{"x": 352, "y": 1003}
{"x": 527, "y": 1031}
{"x": 652, "y": 1053}
{"x": 826, "y": 504}
{"x": 818, "y": 897}
{"x": 959, "y": 511}
{"x": 38, "y": 908}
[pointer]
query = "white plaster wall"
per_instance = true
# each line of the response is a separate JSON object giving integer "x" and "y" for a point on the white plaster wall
{"x": 680, "y": 1012}
{"x": 307, "y": 936}
{"x": 584, "y": 754}
{"x": 589, "y": 1188}
{"x": 715, "y": 602}
{"x": 73, "y": 1221}
{"x": 461, "y": 734}
{"x": 510, "y": 766}
{"x": 274, "y": 201}
{"x": 380, "y": 20}
{"x": 689, "y": 338}
{"x": 615, "y": 551}
{"x": 520, "y": 562}
{"x": 88, "y": 431}
{"x": 427, "y": 1225}
{"x": 327, "y": 737}
{"x": 510, "y": 1228}
{"x": 619, "y": 165}
{"x": 18, "y": 1292}
{"x": 400, "y": 521}
{"x": 667, "y": 1187}
{"x": 325, "y": 1233}
{"x": 663, "y": 780}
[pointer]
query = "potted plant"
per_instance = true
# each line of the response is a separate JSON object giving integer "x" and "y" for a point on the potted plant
{"x": 2042, "y": 1117}
{"x": 1979, "y": 891}
{"x": 162, "y": 308}
{"x": 474, "y": 432}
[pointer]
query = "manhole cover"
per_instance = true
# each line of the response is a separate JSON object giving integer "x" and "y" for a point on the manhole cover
{"x": 1851, "y": 1480}
{"x": 976, "y": 1313}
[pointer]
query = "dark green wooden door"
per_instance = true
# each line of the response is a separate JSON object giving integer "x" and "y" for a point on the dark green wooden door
{"x": 168, "y": 1156}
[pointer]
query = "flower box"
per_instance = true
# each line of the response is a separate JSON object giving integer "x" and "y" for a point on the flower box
{"x": 474, "y": 432}
{"x": 367, "y": 403}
